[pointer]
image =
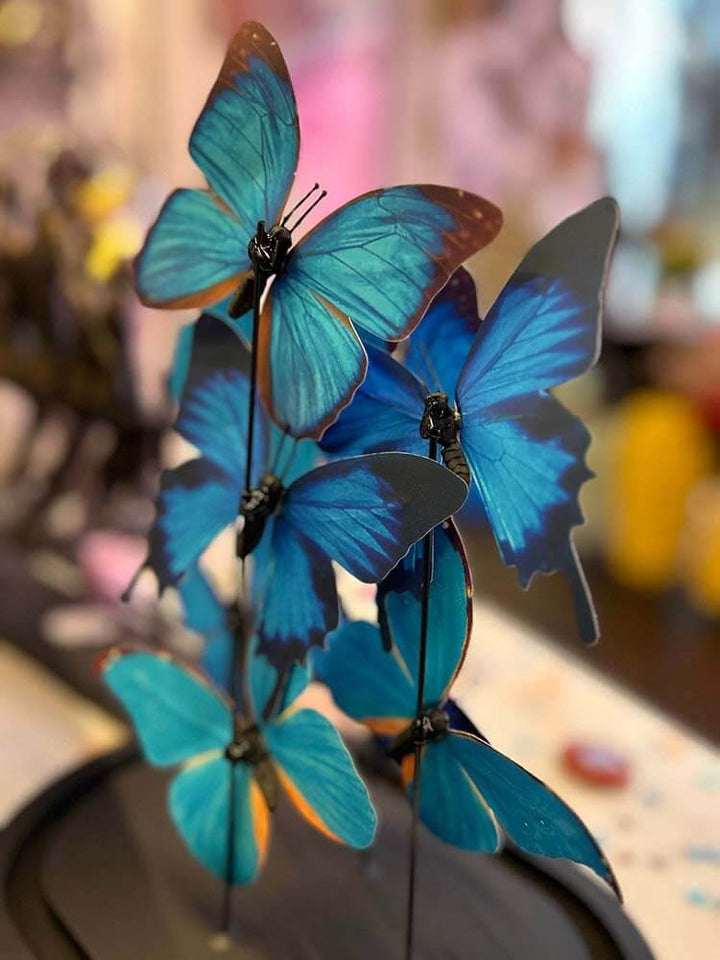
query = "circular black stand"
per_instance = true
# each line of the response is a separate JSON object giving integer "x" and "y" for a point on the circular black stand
{"x": 94, "y": 868}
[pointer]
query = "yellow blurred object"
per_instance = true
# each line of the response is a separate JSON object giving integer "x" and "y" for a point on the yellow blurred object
{"x": 661, "y": 450}
{"x": 115, "y": 242}
{"x": 104, "y": 193}
{"x": 700, "y": 569}
{"x": 20, "y": 22}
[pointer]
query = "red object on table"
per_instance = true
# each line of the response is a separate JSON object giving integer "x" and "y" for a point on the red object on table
{"x": 597, "y": 764}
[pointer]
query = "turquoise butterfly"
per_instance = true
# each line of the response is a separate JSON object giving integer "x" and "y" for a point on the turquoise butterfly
{"x": 376, "y": 262}
{"x": 471, "y": 795}
{"x": 180, "y": 718}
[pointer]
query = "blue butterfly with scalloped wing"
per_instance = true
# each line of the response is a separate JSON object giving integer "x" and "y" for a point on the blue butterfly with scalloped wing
{"x": 376, "y": 262}
{"x": 362, "y": 512}
{"x": 524, "y": 451}
{"x": 181, "y": 719}
{"x": 471, "y": 795}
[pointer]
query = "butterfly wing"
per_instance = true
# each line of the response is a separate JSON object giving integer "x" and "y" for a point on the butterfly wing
{"x": 296, "y": 596}
{"x": 366, "y": 512}
{"x": 199, "y": 801}
{"x": 180, "y": 362}
{"x": 525, "y": 451}
{"x": 449, "y": 613}
{"x": 246, "y": 143}
{"x": 529, "y": 466}
{"x": 206, "y": 615}
{"x": 441, "y": 342}
{"x": 175, "y": 714}
{"x": 450, "y": 805}
{"x": 369, "y": 684}
{"x": 197, "y": 500}
{"x": 376, "y": 262}
{"x": 531, "y": 814}
{"x": 385, "y": 413}
{"x": 263, "y": 682}
{"x": 318, "y": 773}
{"x": 194, "y": 254}
{"x": 214, "y": 406}
{"x": 247, "y": 138}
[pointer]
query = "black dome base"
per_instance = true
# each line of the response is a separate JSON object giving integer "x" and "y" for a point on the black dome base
{"x": 95, "y": 869}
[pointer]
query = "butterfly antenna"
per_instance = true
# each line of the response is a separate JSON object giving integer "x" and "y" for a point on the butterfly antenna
{"x": 309, "y": 210}
{"x": 425, "y": 354}
{"x": 299, "y": 204}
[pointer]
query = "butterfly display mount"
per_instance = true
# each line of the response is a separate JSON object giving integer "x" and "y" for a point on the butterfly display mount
{"x": 344, "y": 400}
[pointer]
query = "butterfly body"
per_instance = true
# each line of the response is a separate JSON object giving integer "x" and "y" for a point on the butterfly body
{"x": 441, "y": 422}
{"x": 267, "y": 252}
{"x": 248, "y": 746}
{"x": 431, "y": 726}
{"x": 256, "y": 506}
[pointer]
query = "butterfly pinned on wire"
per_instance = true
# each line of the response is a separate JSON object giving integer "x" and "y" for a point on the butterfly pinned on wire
{"x": 375, "y": 263}
{"x": 524, "y": 452}
{"x": 471, "y": 795}
{"x": 181, "y": 719}
{"x": 362, "y": 512}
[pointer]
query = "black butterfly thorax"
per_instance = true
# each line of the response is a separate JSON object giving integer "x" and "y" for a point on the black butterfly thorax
{"x": 256, "y": 506}
{"x": 429, "y": 727}
{"x": 441, "y": 423}
{"x": 268, "y": 251}
{"x": 248, "y": 746}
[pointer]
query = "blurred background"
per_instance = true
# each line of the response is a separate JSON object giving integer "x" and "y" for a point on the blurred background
{"x": 540, "y": 105}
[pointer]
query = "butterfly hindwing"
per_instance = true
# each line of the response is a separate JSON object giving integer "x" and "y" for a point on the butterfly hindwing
{"x": 449, "y": 612}
{"x": 296, "y": 596}
{"x": 317, "y": 772}
{"x": 368, "y": 683}
{"x": 385, "y": 413}
{"x": 206, "y": 615}
{"x": 198, "y": 801}
{"x": 529, "y": 466}
{"x": 450, "y": 805}
{"x": 311, "y": 359}
{"x": 193, "y": 255}
{"x": 531, "y": 814}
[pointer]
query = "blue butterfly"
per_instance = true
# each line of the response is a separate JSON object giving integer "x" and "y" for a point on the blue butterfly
{"x": 523, "y": 450}
{"x": 181, "y": 719}
{"x": 376, "y": 262}
{"x": 471, "y": 796}
{"x": 362, "y": 512}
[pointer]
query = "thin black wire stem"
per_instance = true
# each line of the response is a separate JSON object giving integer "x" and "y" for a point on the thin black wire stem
{"x": 239, "y": 681}
{"x": 427, "y": 569}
